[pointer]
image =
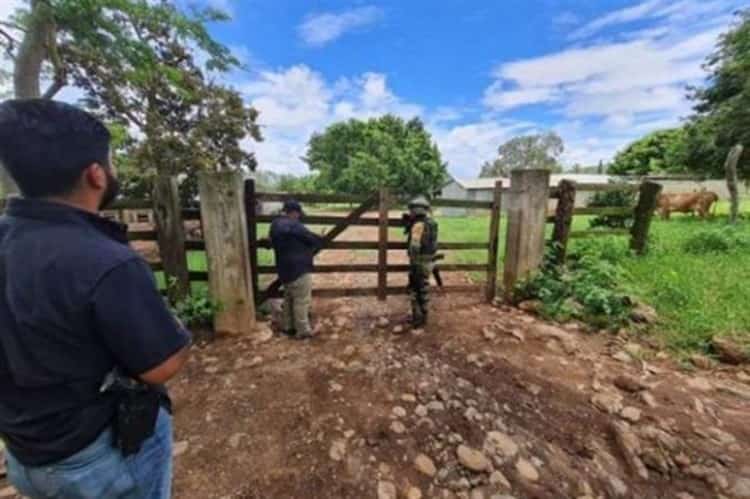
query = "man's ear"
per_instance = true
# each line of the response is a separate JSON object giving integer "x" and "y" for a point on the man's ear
{"x": 94, "y": 176}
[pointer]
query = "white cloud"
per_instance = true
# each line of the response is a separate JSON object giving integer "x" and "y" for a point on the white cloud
{"x": 606, "y": 80}
{"x": 673, "y": 12}
{"x": 320, "y": 29}
{"x": 295, "y": 102}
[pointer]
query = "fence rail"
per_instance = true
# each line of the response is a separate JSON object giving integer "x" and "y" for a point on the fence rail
{"x": 642, "y": 214}
{"x": 380, "y": 203}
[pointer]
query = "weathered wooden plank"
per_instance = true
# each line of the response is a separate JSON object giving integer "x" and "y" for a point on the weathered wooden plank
{"x": 461, "y": 203}
{"x": 311, "y": 197}
{"x": 195, "y": 245}
{"x": 251, "y": 214}
{"x": 142, "y": 235}
{"x": 391, "y": 291}
{"x": 642, "y": 216}
{"x": 566, "y": 201}
{"x": 171, "y": 236}
{"x": 225, "y": 233}
{"x": 384, "y": 204}
{"x": 598, "y": 233}
{"x": 374, "y": 267}
{"x": 583, "y": 187}
{"x": 604, "y": 210}
{"x": 494, "y": 244}
{"x": 334, "y": 220}
{"x": 131, "y": 204}
{"x": 527, "y": 213}
{"x": 191, "y": 214}
{"x": 373, "y": 245}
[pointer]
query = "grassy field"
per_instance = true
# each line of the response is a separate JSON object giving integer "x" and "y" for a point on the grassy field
{"x": 696, "y": 295}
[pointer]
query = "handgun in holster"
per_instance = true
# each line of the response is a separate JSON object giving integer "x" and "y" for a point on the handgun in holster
{"x": 136, "y": 412}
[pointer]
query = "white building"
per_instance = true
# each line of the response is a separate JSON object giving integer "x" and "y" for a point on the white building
{"x": 482, "y": 189}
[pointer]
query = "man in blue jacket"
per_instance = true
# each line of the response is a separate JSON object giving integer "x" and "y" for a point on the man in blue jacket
{"x": 78, "y": 308}
{"x": 294, "y": 246}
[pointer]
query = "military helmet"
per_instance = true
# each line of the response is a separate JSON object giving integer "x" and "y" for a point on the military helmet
{"x": 419, "y": 202}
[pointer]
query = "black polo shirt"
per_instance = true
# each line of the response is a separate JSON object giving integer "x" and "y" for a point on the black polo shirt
{"x": 294, "y": 248}
{"x": 75, "y": 301}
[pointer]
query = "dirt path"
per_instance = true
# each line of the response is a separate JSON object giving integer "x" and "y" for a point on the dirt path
{"x": 486, "y": 402}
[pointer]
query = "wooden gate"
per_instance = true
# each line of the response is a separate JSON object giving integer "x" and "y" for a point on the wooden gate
{"x": 380, "y": 202}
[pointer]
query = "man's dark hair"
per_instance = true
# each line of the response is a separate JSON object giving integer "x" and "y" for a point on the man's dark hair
{"x": 45, "y": 145}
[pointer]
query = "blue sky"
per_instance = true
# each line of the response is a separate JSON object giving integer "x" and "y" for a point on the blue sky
{"x": 598, "y": 72}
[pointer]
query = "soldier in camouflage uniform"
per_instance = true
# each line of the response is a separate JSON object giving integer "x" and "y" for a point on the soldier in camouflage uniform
{"x": 422, "y": 233}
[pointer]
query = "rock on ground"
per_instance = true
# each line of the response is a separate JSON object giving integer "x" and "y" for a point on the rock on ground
{"x": 526, "y": 470}
{"x": 386, "y": 490}
{"x": 425, "y": 465}
{"x": 472, "y": 459}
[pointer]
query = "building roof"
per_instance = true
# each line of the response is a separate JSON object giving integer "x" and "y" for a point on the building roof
{"x": 554, "y": 179}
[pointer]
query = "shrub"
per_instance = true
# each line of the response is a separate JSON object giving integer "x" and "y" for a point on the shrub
{"x": 586, "y": 288}
{"x": 721, "y": 240}
{"x": 624, "y": 198}
{"x": 196, "y": 309}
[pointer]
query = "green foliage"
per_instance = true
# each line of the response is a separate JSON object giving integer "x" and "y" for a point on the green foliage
{"x": 197, "y": 309}
{"x": 663, "y": 151}
{"x": 528, "y": 151}
{"x": 148, "y": 65}
{"x": 588, "y": 287}
{"x": 723, "y": 105}
{"x": 623, "y": 198}
{"x": 721, "y": 240}
{"x": 293, "y": 183}
{"x": 359, "y": 157}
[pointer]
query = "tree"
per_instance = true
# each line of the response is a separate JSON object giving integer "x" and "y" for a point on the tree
{"x": 661, "y": 151}
{"x": 131, "y": 58}
{"x": 722, "y": 117}
{"x": 361, "y": 156}
{"x": 540, "y": 151}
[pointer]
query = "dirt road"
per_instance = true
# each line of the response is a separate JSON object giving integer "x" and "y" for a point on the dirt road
{"x": 486, "y": 402}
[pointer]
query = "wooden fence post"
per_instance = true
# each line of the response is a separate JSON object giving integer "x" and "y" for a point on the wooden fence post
{"x": 644, "y": 212}
{"x": 225, "y": 233}
{"x": 731, "y": 171}
{"x": 527, "y": 216}
{"x": 171, "y": 236}
{"x": 252, "y": 234}
{"x": 384, "y": 204}
{"x": 492, "y": 251}
{"x": 566, "y": 201}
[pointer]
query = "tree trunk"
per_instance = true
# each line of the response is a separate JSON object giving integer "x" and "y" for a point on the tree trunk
{"x": 27, "y": 70}
{"x": 731, "y": 169}
{"x": 33, "y": 51}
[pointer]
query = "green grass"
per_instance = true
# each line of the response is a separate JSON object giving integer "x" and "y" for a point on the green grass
{"x": 697, "y": 296}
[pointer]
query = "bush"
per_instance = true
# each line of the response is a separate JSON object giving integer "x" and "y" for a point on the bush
{"x": 624, "y": 198}
{"x": 196, "y": 310}
{"x": 586, "y": 288}
{"x": 721, "y": 240}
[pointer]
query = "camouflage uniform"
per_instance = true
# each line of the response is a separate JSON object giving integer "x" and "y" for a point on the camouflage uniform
{"x": 422, "y": 245}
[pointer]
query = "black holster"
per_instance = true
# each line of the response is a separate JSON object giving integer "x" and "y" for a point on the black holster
{"x": 137, "y": 410}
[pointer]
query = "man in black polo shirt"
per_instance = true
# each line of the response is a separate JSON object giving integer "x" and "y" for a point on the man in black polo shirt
{"x": 75, "y": 302}
{"x": 294, "y": 248}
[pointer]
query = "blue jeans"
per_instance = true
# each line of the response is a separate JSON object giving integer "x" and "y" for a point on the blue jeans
{"x": 101, "y": 472}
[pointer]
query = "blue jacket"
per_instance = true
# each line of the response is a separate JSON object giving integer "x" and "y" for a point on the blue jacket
{"x": 294, "y": 246}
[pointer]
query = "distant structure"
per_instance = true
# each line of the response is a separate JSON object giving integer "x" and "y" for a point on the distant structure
{"x": 481, "y": 189}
